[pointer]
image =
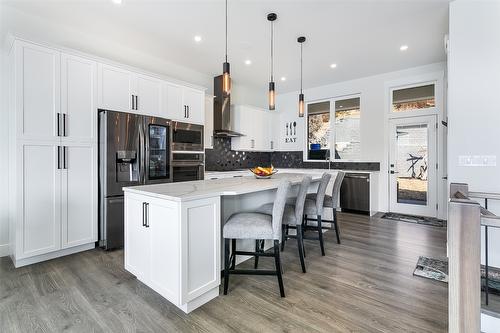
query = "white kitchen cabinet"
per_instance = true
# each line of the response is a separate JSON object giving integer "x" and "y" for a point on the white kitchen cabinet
{"x": 194, "y": 101}
{"x": 209, "y": 122}
{"x": 148, "y": 91}
{"x": 39, "y": 227}
{"x": 256, "y": 126}
{"x": 37, "y": 77}
{"x": 79, "y": 195}
{"x": 115, "y": 88}
{"x": 78, "y": 99}
{"x": 174, "y": 248}
{"x": 172, "y": 107}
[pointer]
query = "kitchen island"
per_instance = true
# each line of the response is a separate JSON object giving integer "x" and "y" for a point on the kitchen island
{"x": 173, "y": 232}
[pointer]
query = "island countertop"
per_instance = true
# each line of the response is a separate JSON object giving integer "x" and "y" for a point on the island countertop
{"x": 200, "y": 189}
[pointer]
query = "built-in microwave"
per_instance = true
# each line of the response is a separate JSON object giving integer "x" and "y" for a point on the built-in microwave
{"x": 187, "y": 137}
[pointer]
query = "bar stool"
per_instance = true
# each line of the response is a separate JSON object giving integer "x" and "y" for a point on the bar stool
{"x": 257, "y": 226}
{"x": 292, "y": 218}
{"x": 315, "y": 207}
{"x": 332, "y": 202}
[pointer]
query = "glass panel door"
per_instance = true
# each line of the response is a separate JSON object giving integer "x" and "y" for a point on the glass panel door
{"x": 412, "y": 168}
{"x": 159, "y": 167}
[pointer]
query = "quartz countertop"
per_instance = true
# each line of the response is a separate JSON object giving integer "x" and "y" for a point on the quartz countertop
{"x": 209, "y": 188}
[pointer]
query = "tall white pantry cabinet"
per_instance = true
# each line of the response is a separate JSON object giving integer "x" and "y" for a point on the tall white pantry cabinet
{"x": 52, "y": 154}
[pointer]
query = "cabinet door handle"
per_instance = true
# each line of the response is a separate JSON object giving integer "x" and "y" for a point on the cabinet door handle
{"x": 133, "y": 102}
{"x": 136, "y": 102}
{"x": 272, "y": 144}
{"x": 58, "y": 157}
{"x": 65, "y": 157}
{"x": 144, "y": 214}
{"x": 65, "y": 121}
{"x": 188, "y": 110}
{"x": 147, "y": 215}
{"x": 58, "y": 119}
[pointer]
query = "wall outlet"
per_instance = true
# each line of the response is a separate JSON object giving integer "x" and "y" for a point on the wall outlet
{"x": 477, "y": 160}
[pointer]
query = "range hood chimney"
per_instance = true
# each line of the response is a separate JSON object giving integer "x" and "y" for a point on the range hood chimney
{"x": 222, "y": 112}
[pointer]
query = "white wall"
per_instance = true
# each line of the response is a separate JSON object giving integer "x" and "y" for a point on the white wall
{"x": 473, "y": 100}
{"x": 374, "y": 117}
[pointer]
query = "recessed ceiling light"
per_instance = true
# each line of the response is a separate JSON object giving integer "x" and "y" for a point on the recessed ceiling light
{"x": 197, "y": 39}
{"x": 283, "y": 78}
{"x": 248, "y": 62}
{"x": 333, "y": 66}
{"x": 403, "y": 48}
{"x": 117, "y": 2}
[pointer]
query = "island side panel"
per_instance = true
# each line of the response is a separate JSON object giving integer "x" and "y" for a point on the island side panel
{"x": 200, "y": 251}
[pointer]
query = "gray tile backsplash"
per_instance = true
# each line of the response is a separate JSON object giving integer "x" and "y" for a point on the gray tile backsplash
{"x": 222, "y": 158}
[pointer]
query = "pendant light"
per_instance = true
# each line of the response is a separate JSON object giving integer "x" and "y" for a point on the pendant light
{"x": 271, "y": 17}
{"x": 226, "y": 75}
{"x": 301, "y": 40}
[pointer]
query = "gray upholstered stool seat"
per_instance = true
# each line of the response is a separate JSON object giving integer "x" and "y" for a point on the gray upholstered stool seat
{"x": 249, "y": 226}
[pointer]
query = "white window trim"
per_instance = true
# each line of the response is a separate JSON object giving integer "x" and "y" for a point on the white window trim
{"x": 332, "y": 101}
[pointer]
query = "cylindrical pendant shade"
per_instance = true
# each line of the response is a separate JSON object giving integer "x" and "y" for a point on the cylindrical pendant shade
{"x": 226, "y": 79}
{"x": 272, "y": 96}
{"x": 301, "y": 105}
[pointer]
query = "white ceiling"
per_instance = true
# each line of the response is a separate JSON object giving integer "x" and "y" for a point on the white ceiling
{"x": 361, "y": 37}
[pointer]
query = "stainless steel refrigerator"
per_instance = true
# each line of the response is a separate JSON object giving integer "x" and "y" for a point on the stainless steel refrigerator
{"x": 133, "y": 150}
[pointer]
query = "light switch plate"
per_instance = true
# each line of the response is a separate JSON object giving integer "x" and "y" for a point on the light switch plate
{"x": 477, "y": 160}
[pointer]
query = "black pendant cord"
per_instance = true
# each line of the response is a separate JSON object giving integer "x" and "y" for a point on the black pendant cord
{"x": 272, "y": 51}
{"x": 226, "y": 30}
{"x": 301, "y": 68}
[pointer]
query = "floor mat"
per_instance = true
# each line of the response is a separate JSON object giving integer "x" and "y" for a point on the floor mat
{"x": 415, "y": 219}
{"x": 430, "y": 268}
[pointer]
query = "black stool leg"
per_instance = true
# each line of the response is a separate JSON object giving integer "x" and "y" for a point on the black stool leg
{"x": 233, "y": 249}
{"x": 320, "y": 232}
{"x": 486, "y": 270}
{"x": 283, "y": 236}
{"x": 336, "y": 225}
{"x": 278, "y": 266}
{"x": 257, "y": 247}
{"x": 226, "y": 265}
{"x": 300, "y": 245}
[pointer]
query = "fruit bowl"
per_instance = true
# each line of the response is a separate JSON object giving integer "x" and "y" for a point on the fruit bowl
{"x": 263, "y": 173}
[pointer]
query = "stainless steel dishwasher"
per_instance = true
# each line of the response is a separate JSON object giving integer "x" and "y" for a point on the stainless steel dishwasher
{"x": 355, "y": 193}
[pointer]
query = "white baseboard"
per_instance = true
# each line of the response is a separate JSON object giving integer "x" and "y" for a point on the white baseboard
{"x": 4, "y": 250}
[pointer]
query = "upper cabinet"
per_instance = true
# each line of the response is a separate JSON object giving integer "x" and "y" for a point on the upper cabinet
{"x": 122, "y": 90}
{"x": 115, "y": 89}
{"x": 37, "y": 75}
{"x": 256, "y": 125}
{"x": 78, "y": 99}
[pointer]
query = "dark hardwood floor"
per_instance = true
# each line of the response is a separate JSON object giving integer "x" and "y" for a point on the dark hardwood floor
{"x": 363, "y": 285}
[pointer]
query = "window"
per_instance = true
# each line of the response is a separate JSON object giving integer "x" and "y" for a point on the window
{"x": 318, "y": 130}
{"x": 344, "y": 127}
{"x": 414, "y": 98}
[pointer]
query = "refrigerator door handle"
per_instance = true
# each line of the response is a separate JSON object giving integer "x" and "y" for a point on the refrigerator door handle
{"x": 142, "y": 153}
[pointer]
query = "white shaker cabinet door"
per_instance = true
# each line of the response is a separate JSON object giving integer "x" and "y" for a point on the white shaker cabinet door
{"x": 41, "y": 214}
{"x": 37, "y": 91}
{"x": 194, "y": 101}
{"x": 137, "y": 238}
{"x": 148, "y": 91}
{"x": 78, "y": 98}
{"x": 79, "y": 195}
{"x": 172, "y": 107}
{"x": 115, "y": 88}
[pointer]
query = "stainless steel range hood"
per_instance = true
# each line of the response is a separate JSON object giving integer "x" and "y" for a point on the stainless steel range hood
{"x": 222, "y": 112}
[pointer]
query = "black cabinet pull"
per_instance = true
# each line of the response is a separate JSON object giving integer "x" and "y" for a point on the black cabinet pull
{"x": 58, "y": 124}
{"x": 147, "y": 215}
{"x": 144, "y": 214}
{"x": 65, "y": 157}
{"x": 64, "y": 123}
{"x": 58, "y": 157}
{"x": 188, "y": 110}
{"x": 133, "y": 103}
{"x": 136, "y": 102}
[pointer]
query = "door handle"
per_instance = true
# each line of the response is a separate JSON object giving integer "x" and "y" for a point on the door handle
{"x": 65, "y": 157}
{"x": 147, "y": 215}
{"x": 58, "y": 119}
{"x": 188, "y": 110}
{"x": 136, "y": 102}
{"x": 143, "y": 214}
{"x": 64, "y": 123}
{"x": 58, "y": 157}
{"x": 133, "y": 103}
